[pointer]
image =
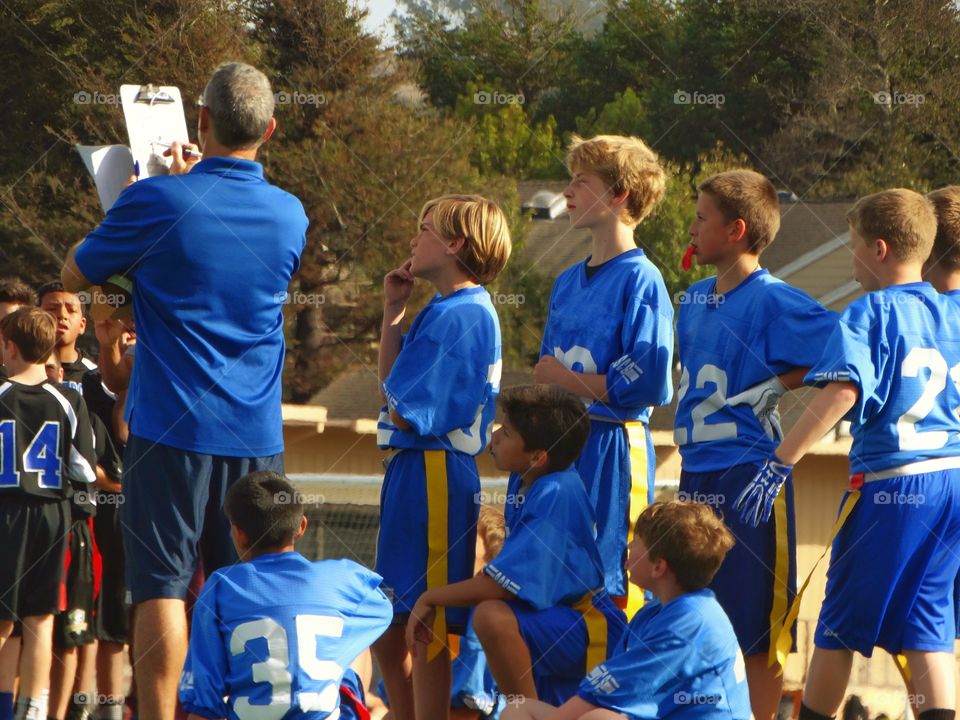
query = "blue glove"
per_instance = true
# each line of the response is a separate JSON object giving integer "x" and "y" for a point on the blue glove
{"x": 755, "y": 503}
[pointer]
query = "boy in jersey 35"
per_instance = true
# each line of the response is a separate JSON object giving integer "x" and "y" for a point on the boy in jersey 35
{"x": 273, "y": 635}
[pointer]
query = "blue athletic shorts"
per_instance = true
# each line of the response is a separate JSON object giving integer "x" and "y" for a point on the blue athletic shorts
{"x": 893, "y": 568}
{"x": 758, "y": 578}
{"x": 611, "y": 477}
{"x": 557, "y": 639}
{"x": 408, "y": 504}
{"x": 172, "y": 515}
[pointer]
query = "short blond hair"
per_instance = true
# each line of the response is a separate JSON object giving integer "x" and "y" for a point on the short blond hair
{"x": 946, "y": 244}
{"x": 905, "y": 219}
{"x": 482, "y": 225}
{"x": 749, "y": 196}
{"x": 492, "y": 529}
{"x": 624, "y": 164}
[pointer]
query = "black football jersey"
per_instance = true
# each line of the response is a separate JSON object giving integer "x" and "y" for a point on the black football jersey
{"x": 46, "y": 440}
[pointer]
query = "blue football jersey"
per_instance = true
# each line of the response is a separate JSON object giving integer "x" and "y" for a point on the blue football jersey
{"x": 618, "y": 323}
{"x": 271, "y": 638}
{"x": 550, "y": 555}
{"x": 446, "y": 378}
{"x": 728, "y": 343}
{"x": 679, "y": 660}
{"x": 901, "y": 347}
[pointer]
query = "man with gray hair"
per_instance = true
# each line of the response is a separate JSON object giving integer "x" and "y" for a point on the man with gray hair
{"x": 210, "y": 251}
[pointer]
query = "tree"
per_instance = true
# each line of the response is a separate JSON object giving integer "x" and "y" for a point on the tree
{"x": 60, "y": 86}
{"x": 518, "y": 47}
{"x": 881, "y": 105}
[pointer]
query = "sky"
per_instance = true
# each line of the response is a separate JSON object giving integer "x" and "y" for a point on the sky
{"x": 378, "y": 12}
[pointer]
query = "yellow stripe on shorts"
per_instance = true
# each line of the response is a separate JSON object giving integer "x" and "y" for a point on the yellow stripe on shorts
{"x": 781, "y": 571}
{"x": 639, "y": 487}
{"x": 435, "y": 462}
{"x": 596, "y": 623}
{"x": 785, "y": 639}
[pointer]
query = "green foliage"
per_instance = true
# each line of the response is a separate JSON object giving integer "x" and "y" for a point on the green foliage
{"x": 506, "y": 141}
{"x": 624, "y": 115}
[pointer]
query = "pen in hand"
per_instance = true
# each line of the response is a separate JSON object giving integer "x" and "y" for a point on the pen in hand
{"x": 187, "y": 152}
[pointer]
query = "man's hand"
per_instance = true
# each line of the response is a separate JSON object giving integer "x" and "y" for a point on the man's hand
{"x": 420, "y": 625}
{"x": 550, "y": 371}
{"x": 398, "y": 285}
{"x": 109, "y": 331}
{"x": 763, "y": 398}
{"x": 182, "y": 162}
{"x": 755, "y": 503}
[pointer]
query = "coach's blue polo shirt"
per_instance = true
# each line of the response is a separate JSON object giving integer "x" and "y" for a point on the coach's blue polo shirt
{"x": 211, "y": 254}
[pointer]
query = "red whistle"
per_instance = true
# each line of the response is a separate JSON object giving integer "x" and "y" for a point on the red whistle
{"x": 687, "y": 261}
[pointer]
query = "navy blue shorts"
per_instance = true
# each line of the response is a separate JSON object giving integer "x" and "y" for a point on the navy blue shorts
{"x": 758, "y": 578}
{"x": 428, "y": 528}
{"x": 618, "y": 477}
{"x": 893, "y": 568}
{"x": 558, "y": 640}
{"x": 173, "y": 514}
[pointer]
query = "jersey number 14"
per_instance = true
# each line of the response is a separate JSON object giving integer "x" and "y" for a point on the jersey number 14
{"x": 42, "y": 455}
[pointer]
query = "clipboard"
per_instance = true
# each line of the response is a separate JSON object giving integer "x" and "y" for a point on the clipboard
{"x": 154, "y": 118}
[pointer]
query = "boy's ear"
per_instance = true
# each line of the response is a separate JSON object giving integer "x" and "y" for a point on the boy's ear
{"x": 738, "y": 229}
{"x": 302, "y": 529}
{"x": 240, "y": 539}
{"x": 539, "y": 459}
{"x": 456, "y": 245}
{"x": 882, "y": 249}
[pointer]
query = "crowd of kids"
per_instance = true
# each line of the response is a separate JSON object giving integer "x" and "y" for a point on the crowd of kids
{"x": 585, "y": 598}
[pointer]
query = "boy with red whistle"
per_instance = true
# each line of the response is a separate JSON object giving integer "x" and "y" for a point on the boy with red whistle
{"x": 744, "y": 338}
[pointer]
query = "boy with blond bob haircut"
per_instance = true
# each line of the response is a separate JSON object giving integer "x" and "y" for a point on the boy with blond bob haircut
{"x": 891, "y": 368}
{"x": 46, "y": 445}
{"x": 744, "y": 338}
{"x": 440, "y": 383}
{"x": 942, "y": 268}
{"x": 609, "y": 336}
{"x": 679, "y": 656}
{"x": 541, "y": 614}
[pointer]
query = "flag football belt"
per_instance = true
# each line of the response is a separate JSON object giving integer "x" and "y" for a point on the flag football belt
{"x": 857, "y": 480}
{"x": 916, "y": 468}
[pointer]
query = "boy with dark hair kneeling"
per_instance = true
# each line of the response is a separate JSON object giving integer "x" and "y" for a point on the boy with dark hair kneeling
{"x": 275, "y": 632}
{"x": 679, "y": 657}
{"x": 542, "y": 614}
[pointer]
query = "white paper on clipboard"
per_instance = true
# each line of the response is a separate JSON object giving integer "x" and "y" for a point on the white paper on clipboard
{"x": 110, "y": 166}
{"x": 154, "y": 117}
